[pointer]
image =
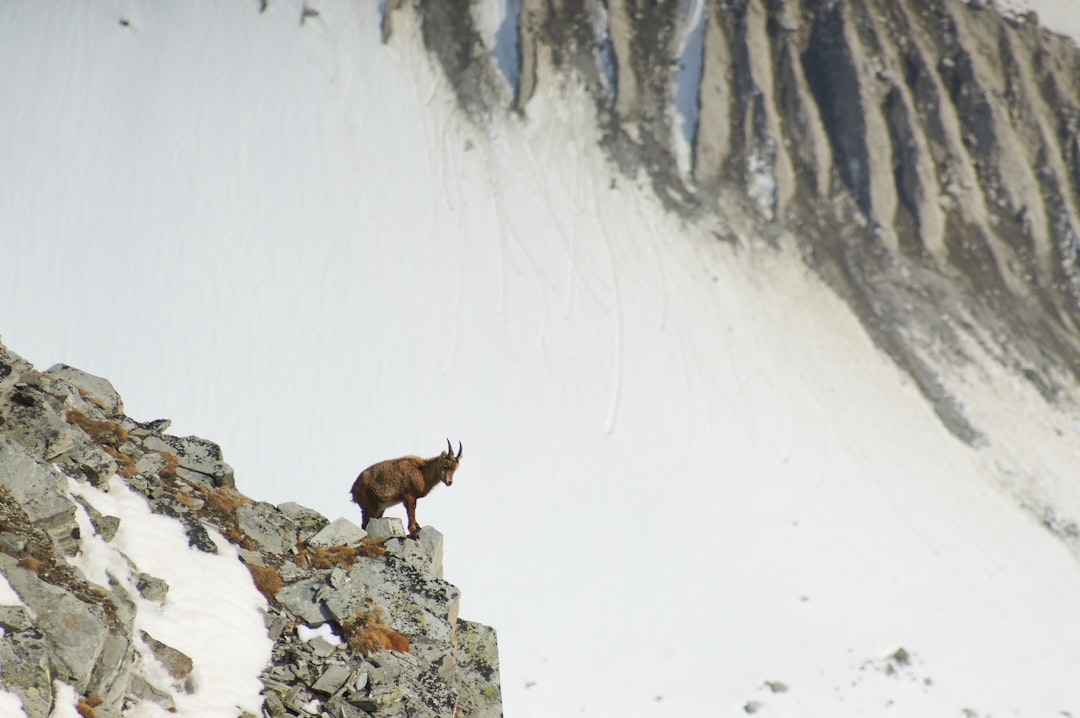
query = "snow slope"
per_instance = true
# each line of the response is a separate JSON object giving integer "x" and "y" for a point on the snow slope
{"x": 686, "y": 470}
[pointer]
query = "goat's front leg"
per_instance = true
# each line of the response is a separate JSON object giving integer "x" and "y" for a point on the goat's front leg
{"x": 410, "y": 509}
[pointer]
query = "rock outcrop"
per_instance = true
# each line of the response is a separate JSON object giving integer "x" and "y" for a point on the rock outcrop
{"x": 361, "y": 623}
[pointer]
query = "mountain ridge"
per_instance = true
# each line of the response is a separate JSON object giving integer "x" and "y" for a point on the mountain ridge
{"x": 389, "y": 637}
{"x": 922, "y": 157}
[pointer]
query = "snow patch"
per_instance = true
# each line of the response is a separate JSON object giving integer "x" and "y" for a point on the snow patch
{"x": 11, "y": 706}
{"x": 212, "y": 612}
{"x": 306, "y": 633}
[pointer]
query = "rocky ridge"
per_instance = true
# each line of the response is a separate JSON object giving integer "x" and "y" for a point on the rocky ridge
{"x": 924, "y": 156}
{"x": 362, "y": 623}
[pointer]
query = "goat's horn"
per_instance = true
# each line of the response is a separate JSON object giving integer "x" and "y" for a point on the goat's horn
{"x": 458, "y": 450}
{"x": 449, "y": 448}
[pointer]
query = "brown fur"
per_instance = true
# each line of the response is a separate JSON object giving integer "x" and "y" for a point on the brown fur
{"x": 402, "y": 481}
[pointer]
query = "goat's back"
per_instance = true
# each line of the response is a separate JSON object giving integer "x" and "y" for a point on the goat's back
{"x": 386, "y": 479}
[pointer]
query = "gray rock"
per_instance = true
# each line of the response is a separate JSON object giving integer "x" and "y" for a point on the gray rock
{"x": 151, "y": 588}
{"x": 424, "y": 552}
{"x": 87, "y": 459}
{"x": 105, "y": 526}
{"x": 15, "y": 618}
{"x": 340, "y": 532}
{"x": 343, "y": 709}
{"x": 93, "y": 388}
{"x": 151, "y": 462}
{"x": 272, "y": 704}
{"x": 111, "y": 673}
{"x": 291, "y": 572}
{"x": 321, "y": 647}
{"x": 384, "y": 528}
{"x": 274, "y": 531}
{"x": 142, "y": 689}
{"x": 477, "y": 678}
{"x": 34, "y": 419}
{"x": 193, "y": 527}
{"x": 337, "y": 577}
{"x": 299, "y": 599}
{"x": 178, "y": 664}
{"x": 76, "y": 632}
{"x": 24, "y": 670}
{"x": 42, "y": 494}
{"x": 195, "y": 454}
{"x": 297, "y": 699}
{"x": 414, "y": 603}
{"x": 302, "y": 515}
{"x": 157, "y": 426}
{"x": 12, "y": 368}
{"x": 13, "y": 542}
{"x": 332, "y": 679}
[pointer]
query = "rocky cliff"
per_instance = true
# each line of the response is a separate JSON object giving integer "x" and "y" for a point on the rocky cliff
{"x": 924, "y": 155}
{"x": 348, "y": 623}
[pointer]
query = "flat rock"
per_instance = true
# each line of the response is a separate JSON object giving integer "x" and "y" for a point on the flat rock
{"x": 384, "y": 528}
{"x": 340, "y": 532}
{"x": 332, "y": 679}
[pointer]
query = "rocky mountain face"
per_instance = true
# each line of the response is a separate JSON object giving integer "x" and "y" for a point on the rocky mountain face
{"x": 922, "y": 155}
{"x": 362, "y": 623}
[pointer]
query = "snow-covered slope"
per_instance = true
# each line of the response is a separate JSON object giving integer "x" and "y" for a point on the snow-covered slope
{"x": 687, "y": 471}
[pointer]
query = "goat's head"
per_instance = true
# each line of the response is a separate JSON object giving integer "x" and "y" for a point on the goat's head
{"x": 448, "y": 463}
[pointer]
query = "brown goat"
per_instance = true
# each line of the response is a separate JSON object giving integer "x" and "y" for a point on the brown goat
{"x": 402, "y": 481}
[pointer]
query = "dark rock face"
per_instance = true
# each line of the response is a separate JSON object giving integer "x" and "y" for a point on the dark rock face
{"x": 392, "y": 644}
{"x": 922, "y": 155}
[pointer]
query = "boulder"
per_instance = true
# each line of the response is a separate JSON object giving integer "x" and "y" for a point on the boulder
{"x": 197, "y": 455}
{"x": 98, "y": 391}
{"x": 176, "y": 663}
{"x": 272, "y": 530}
{"x": 340, "y": 532}
{"x": 385, "y": 528}
{"x": 151, "y": 588}
{"x": 75, "y": 631}
{"x": 41, "y": 492}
